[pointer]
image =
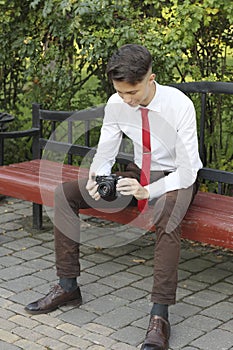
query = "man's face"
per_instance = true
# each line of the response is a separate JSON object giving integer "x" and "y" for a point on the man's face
{"x": 137, "y": 94}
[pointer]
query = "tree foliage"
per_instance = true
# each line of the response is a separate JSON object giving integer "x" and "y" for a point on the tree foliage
{"x": 51, "y": 48}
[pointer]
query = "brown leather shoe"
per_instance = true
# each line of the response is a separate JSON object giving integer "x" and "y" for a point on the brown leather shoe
{"x": 157, "y": 335}
{"x": 56, "y": 297}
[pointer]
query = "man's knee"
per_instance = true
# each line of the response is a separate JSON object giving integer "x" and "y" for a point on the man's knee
{"x": 65, "y": 191}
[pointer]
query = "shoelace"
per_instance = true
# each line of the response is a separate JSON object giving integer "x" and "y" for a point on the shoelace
{"x": 154, "y": 325}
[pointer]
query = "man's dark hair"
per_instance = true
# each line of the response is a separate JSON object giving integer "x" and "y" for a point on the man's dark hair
{"x": 130, "y": 63}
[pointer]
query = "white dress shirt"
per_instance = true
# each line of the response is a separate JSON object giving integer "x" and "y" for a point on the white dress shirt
{"x": 174, "y": 144}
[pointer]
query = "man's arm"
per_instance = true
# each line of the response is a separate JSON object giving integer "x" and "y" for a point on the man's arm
{"x": 187, "y": 159}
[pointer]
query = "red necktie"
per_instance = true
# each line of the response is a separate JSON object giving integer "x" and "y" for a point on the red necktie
{"x": 146, "y": 157}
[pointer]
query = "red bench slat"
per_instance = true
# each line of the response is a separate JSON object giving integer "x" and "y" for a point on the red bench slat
{"x": 209, "y": 220}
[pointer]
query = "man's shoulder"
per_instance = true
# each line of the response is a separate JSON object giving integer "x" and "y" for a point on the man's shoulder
{"x": 115, "y": 98}
{"x": 172, "y": 91}
{"x": 173, "y": 96}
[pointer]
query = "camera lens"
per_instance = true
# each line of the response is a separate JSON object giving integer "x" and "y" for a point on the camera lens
{"x": 105, "y": 189}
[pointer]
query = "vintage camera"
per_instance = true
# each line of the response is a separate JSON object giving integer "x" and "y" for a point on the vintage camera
{"x": 107, "y": 185}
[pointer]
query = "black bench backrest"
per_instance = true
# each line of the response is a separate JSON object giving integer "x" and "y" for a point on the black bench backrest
{"x": 53, "y": 139}
{"x": 206, "y": 89}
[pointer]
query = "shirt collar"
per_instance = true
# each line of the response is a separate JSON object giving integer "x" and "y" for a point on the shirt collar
{"x": 155, "y": 103}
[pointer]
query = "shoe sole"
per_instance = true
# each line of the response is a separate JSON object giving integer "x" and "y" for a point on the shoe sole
{"x": 75, "y": 302}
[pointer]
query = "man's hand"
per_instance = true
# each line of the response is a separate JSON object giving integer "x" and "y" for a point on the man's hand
{"x": 92, "y": 187}
{"x": 128, "y": 186}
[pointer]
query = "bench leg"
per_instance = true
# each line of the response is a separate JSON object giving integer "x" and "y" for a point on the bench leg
{"x": 37, "y": 216}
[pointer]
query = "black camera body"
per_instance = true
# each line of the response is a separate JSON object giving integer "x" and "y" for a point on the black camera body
{"x": 107, "y": 185}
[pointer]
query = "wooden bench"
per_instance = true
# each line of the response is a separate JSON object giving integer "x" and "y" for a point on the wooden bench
{"x": 209, "y": 219}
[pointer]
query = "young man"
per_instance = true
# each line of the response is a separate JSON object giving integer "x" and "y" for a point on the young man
{"x": 161, "y": 123}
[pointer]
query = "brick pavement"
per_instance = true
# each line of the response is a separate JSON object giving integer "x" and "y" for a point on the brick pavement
{"x": 115, "y": 284}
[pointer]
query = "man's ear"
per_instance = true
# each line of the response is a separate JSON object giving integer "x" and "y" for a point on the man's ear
{"x": 152, "y": 77}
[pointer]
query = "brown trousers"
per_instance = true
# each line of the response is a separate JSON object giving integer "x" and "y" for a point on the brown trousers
{"x": 168, "y": 211}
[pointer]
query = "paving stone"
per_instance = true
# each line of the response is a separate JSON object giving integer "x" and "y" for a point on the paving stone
{"x": 145, "y": 252}
{"x": 49, "y": 331}
{"x": 28, "y": 334}
{"x": 174, "y": 318}
{"x": 14, "y": 272}
{"x": 226, "y": 266}
{"x": 142, "y": 304}
{"x": 5, "y": 303}
{"x": 32, "y": 253}
{"x": 181, "y": 293}
{"x": 122, "y": 346}
{"x": 221, "y": 311}
{"x": 23, "y": 283}
{"x": 5, "y": 293}
{"x": 182, "y": 336}
{"x": 86, "y": 278}
{"x": 182, "y": 275}
{"x": 130, "y": 293}
{"x": 75, "y": 341}
{"x": 204, "y": 298}
{"x": 22, "y": 244}
{"x": 189, "y": 348}
{"x": 71, "y": 329}
{"x": 47, "y": 319}
{"x": 184, "y": 310}
{"x": 120, "y": 279}
{"x": 228, "y": 326}
{"x": 119, "y": 318}
{"x": 187, "y": 254}
{"x": 229, "y": 279}
{"x": 54, "y": 344}
{"x": 22, "y": 320}
{"x": 97, "y": 328}
{"x": 144, "y": 284}
{"x": 7, "y": 325}
{"x": 222, "y": 287}
{"x": 47, "y": 274}
{"x": 28, "y": 345}
{"x": 12, "y": 226}
{"x": 85, "y": 264}
{"x": 106, "y": 269}
{"x": 5, "y": 314}
{"x": 211, "y": 275}
{"x": 8, "y": 336}
{"x": 7, "y": 261}
{"x": 7, "y": 346}
{"x": 141, "y": 270}
{"x": 100, "y": 339}
{"x": 5, "y": 251}
{"x": 216, "y": 339}
{"x": 8, "y": 217}
{"x": 96, "y": 289}
{"x": 38, "y": 264}
{"x": 129, "y": 260}
{"x": 130, "y": 335}
{"x": 195, "y": 265}
{"x": 116, "y": 285}
{"x": 193, "y": 285}
{"x": 77, "y": 317}
{"x": 120, "y": 251}
{"x": 104, "y": 304}
{"x": 201, "y": 322}
{"x": 5, "y": 239}
{"x": 17, "y": 309}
